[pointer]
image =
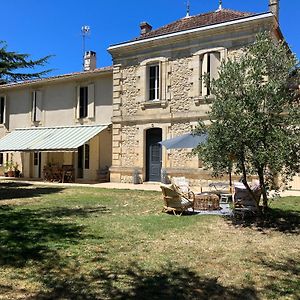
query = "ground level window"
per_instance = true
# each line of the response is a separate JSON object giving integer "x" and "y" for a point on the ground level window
{"x": 1, "y": 159}
{"x": 86, "y": 156}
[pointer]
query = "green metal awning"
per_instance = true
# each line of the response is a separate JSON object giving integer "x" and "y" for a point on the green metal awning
{"x": 49, "y": 139}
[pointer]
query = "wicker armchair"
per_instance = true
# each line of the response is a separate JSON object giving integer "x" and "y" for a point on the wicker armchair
{"x": 175, "y": 201}
{"x": 243, "y": 202}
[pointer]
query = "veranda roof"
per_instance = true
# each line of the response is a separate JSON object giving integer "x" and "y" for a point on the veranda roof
{"x": 49, "y": 139}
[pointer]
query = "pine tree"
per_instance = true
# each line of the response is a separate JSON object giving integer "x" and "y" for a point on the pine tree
{"x": 12, "y": 64}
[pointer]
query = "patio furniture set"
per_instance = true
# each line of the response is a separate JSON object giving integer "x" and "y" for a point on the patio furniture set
{"x": 178, "y": 198}
{"x": 55, "y": 173}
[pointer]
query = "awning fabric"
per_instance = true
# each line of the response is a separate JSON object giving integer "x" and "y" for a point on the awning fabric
{"x": 67, "y": 138}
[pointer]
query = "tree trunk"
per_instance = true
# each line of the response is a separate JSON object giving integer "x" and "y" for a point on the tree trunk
{"x": 245, "y": 182}
{"x": 263, "y": 188}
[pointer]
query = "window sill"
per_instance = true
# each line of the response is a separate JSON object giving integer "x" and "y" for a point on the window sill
{"x": 154, "y": 104}
{"x": 204, "y": 99}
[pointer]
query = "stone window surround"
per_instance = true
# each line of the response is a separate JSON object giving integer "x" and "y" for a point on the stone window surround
{"x": 196, "y": 82}
{"x": 144, "y": 78}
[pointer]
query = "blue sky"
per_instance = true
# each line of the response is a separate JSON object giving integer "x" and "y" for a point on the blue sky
{"x": 42, "y": 27}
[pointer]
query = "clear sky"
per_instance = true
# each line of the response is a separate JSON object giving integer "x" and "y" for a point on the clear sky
{"x": 42, "y": 27}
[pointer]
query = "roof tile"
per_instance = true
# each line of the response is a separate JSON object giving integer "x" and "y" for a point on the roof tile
{"x": 215, "y": 17}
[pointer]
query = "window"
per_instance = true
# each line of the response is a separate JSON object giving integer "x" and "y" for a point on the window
{"x": 85, "y": 101}
{"x": 86, "y": 156}
{"x": 1, "y": 159}
{"x": 2, "y": 110}
{"x": 153, "y": 76}
{"x": 36, "y": 106}
{"x": 209, "y": 65}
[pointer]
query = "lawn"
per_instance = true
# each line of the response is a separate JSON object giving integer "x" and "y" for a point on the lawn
{"x": 88, "y": 243}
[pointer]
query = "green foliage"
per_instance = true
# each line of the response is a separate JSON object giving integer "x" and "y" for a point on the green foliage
{"x": 255, "y": 117}
{"x": 12, "y": 63}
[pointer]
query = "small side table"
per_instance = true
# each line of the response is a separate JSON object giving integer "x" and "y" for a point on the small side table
{"x": 205, "y": 201}
{"x": 225, "y": 198}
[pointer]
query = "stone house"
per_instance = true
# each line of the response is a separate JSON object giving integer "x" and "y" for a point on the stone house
{"x": 158, "y": 91}
{"x": 62, "y": 120}
{"x": 153, "y": 91}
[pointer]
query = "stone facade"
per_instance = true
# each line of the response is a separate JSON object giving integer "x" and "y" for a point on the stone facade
{"x": 183, "y": 96}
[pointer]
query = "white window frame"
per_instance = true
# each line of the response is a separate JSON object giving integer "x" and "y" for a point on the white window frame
{"x": 36, "y": 113}
{"x": 90, "y": 101}
{"x": 3, "y": 113}
{"x": 157, "y": 82}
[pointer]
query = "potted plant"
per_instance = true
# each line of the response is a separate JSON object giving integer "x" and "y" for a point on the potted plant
{"x": 9, "y": 168}
{"x": 16, "y": 170}
{"x": 136, "y": 176}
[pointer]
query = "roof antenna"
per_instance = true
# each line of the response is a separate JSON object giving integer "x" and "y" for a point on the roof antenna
{"x": 188, "y": 9}
{"x": 85, "y": 31}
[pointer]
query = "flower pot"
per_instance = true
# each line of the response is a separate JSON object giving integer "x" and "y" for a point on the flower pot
{"x": 11, "y": 173}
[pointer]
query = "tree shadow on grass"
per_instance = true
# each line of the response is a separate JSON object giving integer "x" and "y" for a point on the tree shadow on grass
{"x": 135, "y": 283}
{"x": 18, "y": 190}
{"x": 38, "y": 234}
{"x": 288, "y": 285}
{"x": 285, "y": 221}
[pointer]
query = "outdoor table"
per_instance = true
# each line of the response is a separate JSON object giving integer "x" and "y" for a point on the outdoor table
{"x": 206, "y": 201}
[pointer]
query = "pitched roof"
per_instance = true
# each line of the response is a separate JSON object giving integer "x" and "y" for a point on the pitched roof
{"x": 58, "y": 77}
{"x": 210, "y": 18}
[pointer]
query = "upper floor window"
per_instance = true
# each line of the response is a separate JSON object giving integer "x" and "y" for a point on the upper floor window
{"x": 209, "y": 66}
{"x": 85, "y": 101}
{"x": 154, "y": 82}
{"x": 2, "y": 110}
{"x": 36, "y": 106}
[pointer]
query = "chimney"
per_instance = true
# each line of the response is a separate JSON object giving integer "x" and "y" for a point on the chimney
{"x": 274, "y": 8}
{"x": 145, "y": 27}
{"x": 89, "y": 61}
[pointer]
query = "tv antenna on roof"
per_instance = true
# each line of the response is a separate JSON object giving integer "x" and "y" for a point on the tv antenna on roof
{"x": 85, "y": 31}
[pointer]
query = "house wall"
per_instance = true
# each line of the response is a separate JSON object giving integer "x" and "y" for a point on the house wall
{"x": 180, "y": 106}
{"x": 59, "y": 105}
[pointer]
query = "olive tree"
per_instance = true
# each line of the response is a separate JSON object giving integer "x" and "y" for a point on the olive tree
{"x": 255, "y": 116}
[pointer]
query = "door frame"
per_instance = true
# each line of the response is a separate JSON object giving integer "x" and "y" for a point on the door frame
{"x": 146, "y": 148}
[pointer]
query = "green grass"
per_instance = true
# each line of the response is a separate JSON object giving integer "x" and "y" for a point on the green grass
{"x": 86, "y": 243}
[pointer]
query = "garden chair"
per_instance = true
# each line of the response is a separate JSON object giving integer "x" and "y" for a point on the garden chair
{"x": 183, "y": 184}
{"x": 243, "y": 203}
{"x": 176, "y": 201}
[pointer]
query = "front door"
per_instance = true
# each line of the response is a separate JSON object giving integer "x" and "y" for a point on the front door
{"x": 37, "y": 164}
{"x": 153, "y": 154}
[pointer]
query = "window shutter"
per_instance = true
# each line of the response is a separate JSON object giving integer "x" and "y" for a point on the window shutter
{"x": 214, "y": 65}
{"x": 91, "y": 101}
{"x": 38, "y": 103}
{"x": 77, "y": 114}
{"x": 204, "y": 71}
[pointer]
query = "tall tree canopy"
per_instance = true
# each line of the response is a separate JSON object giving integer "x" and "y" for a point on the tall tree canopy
{"x": 12, "y": 65}
{"x": 255, "y": 117}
